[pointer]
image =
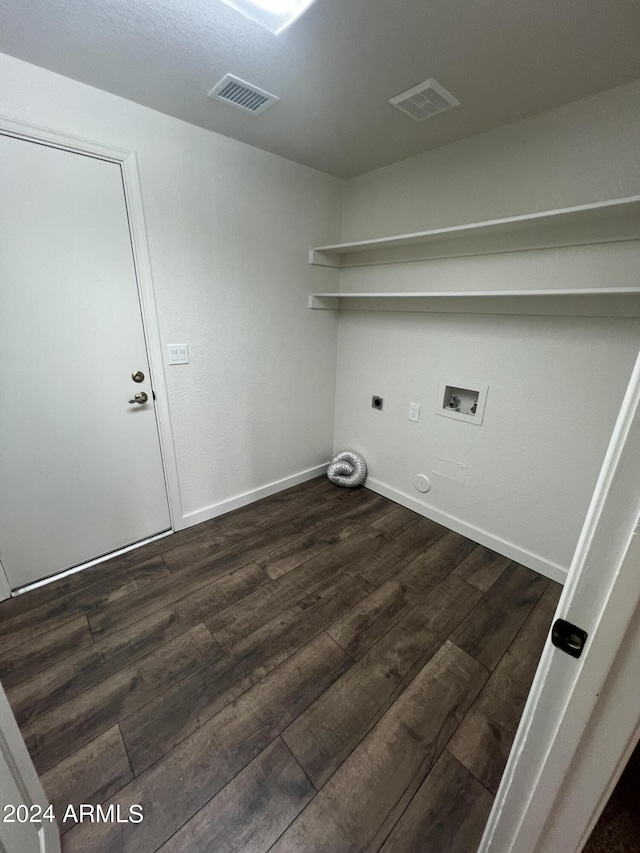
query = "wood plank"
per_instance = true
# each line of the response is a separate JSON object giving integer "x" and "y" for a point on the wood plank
{"x": 330, "y": 491}
{"x": 359, "y": 629}
{"x": 364, "y": 693}
{"x": 482, "y": 568}
{"x": 385, "y": 562}
{"x": 391, "y": 762}
{"x": 20, "y": 662}
{"x": 448, "y": 813}
{"x": 351, "y": 506}
{"x": 164, "y": 722}
{"x": 342, "y": 493}
{"x": 397, "y": 521}
{"x": 252, "y": 811}
{"x": 216, "y": 587}
{"x": 368, "y": 621}
{"x": 247, "y": 515}
{"x": 175, "y": 788}
{"x": 295, "y": 500}
{"x": 55, "y": 735}
{"x": 263, "y": 605}
{"x": 36, "y": 621}
{"x": 110, "y": 570}
{"x": 58, "y": 684}
{"x": 489, "y": 629}
{"x": 483, "y": 740}
{"x": 448, "y": 604}
{"x": 295, "y": 553}
{"x": 327, "y": 732}
{"x": 523, "y": 655}
{"x": 322, "y": 484}
{"x": 254, "y": 523}
{"x": 244, "y": 549}
{"x": 90, "y": 775}
{"x": 279, "y": 507}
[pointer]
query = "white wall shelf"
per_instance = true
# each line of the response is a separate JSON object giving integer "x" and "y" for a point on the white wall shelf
{"x": 605, "y": 222}
{"x": 599, "y": 302}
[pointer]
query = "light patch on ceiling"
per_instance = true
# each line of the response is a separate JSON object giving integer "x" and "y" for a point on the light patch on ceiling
{"x": 238, "y": 93}
{"x": 425, "y": 100}
{"x": 273, "y": 15}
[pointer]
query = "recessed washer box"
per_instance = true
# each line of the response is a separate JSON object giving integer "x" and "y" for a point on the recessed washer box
{"x": 462, "y": 400}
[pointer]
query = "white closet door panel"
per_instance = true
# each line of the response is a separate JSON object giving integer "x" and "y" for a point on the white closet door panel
{"x": 80, "y": 467}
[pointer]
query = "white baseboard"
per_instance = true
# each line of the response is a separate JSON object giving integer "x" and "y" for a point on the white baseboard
{"x": 206, "y": 514}
{"x": 482, "y": 537}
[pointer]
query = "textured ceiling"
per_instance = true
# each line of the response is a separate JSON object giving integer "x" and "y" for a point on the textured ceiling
{"x": 335, "y": 68}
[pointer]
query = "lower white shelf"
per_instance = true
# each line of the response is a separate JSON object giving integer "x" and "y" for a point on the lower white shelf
{"x": 607, "y": 302}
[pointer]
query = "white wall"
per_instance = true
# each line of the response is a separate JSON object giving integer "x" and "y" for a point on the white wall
{"x": 583, "y": 152}
{"x": 555, "y": 384}
{"x": 229, "y": 228}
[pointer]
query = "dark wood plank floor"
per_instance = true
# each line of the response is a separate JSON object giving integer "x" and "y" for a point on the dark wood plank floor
{"x": 321, "y": 671}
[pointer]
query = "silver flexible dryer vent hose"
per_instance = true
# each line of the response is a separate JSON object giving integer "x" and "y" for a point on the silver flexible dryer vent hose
{"x": 347, "y": 469}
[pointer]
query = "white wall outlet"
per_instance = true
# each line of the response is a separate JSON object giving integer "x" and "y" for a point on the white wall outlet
{"x": 414, "y": 412}
{"x": 178, "y": 353}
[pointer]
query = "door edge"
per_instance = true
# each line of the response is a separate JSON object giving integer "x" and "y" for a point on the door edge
{"x": 563, "y": 699}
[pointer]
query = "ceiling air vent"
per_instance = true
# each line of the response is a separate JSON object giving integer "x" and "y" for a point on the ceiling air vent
{"x": 425, "y": 100}
{"x": 243, "y": 95}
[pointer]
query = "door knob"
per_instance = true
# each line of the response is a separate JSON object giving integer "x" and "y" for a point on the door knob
{"x": 141, "y": 397}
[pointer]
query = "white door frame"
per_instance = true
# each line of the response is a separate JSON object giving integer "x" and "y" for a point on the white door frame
{"x": 17, "y": 772}
{"x": 580, "y": 722}
{"x": 5, "y": 589}
{"x": 133, "y": 199}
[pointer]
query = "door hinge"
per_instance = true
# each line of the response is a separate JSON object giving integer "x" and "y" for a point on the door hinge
{"x": 569, "y": 638}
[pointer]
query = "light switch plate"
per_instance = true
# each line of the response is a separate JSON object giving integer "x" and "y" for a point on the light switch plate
{"x": 178, "y": 353}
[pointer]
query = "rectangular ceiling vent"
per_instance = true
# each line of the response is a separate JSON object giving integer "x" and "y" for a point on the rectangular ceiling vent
{"x": 425, "y": 100}
{"x": 244, "y": 96}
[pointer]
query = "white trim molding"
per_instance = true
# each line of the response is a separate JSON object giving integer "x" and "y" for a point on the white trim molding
{"x": 5, "y": 587}
{"x": 245, "y": 498}
{"x": 477, "y": 534}
{"x": 142, "y": 260}
{"x": 20, "y": 785}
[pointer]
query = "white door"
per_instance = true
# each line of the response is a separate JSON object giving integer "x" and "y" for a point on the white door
{"x": 81, "y": 471}
{"x": 27, "y": 825}
{"x": 582, "y": 715}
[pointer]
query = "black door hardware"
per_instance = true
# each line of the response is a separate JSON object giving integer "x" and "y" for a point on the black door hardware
{"x": 568, "y": 637}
